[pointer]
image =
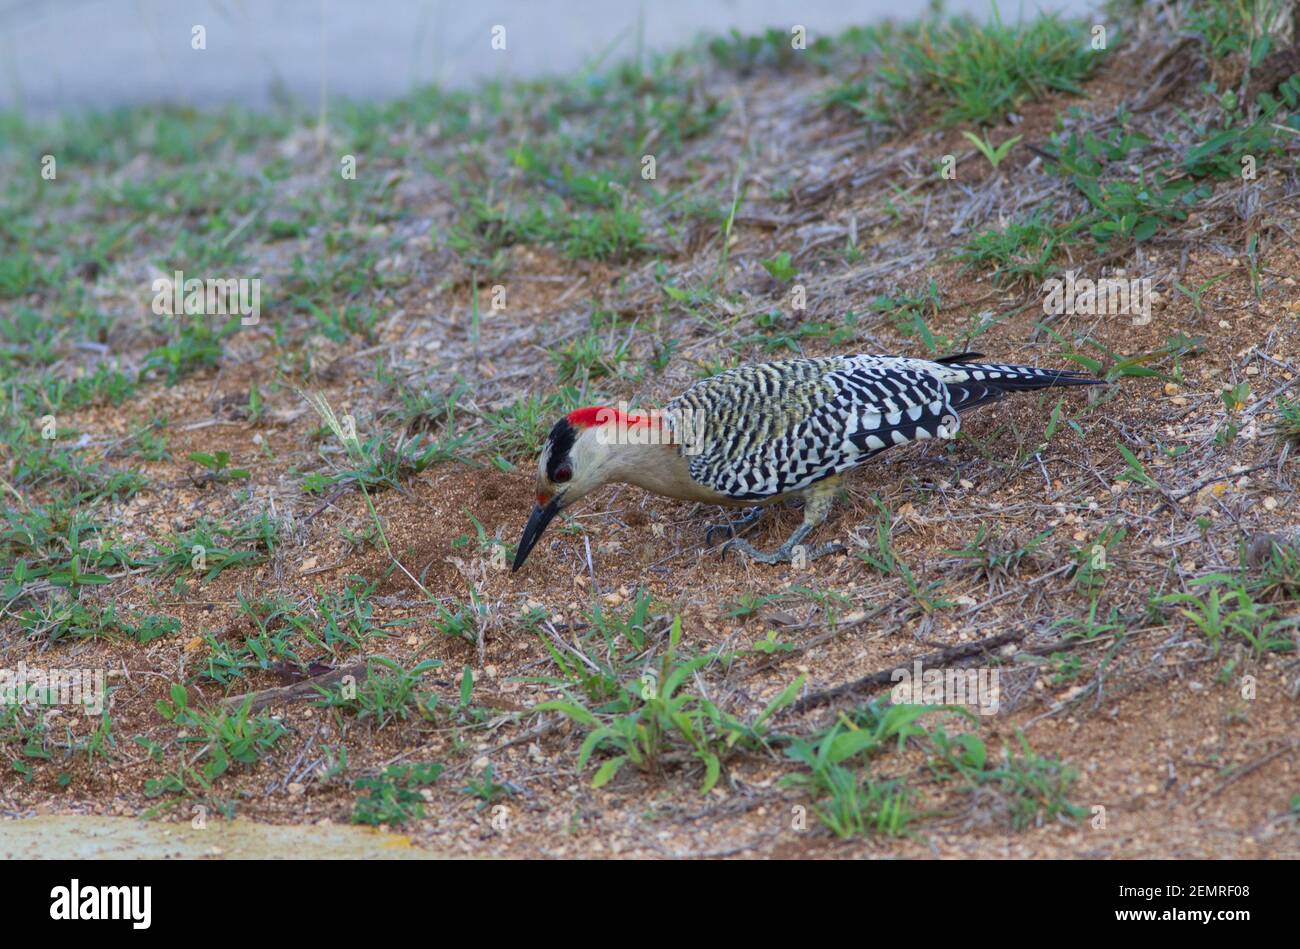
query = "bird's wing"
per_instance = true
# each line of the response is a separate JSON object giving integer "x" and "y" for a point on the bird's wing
{"x": 759, "y": 431}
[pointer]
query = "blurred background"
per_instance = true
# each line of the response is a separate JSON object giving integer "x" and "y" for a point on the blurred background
{"x": 61, "y": 54}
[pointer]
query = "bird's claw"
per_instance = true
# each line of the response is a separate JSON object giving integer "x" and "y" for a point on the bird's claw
{"x": 748, "y": 549}
{"x": 786, "y": 553}
{"x": 726, "y": 529}
{"x": 732, "y": 529}
{"x": 824, "y": 549}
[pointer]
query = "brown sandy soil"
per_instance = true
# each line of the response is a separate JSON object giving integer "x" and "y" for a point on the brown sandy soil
{"x": 1175, "y": 755}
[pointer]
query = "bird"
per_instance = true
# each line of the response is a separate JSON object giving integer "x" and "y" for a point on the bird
{"x": 760, "y": 433}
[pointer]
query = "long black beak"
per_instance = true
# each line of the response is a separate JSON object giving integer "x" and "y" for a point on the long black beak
{"x": 537, "y": 522}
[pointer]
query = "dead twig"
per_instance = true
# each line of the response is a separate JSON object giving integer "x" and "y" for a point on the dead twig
{"x": 306, "y": 689}
{"x": 886, "y": 676}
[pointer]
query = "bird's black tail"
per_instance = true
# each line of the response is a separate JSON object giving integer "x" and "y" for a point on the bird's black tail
{"x": 989, "y": 382}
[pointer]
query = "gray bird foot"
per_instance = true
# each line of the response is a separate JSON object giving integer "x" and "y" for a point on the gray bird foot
{"x": 732, "y": 529}
{"x": 786, "y": 553}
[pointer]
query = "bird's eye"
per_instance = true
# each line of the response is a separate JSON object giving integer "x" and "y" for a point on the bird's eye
{"x": 563, "y": 474}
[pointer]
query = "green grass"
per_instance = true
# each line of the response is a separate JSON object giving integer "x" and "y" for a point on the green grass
{"x": 20, "y": 274}
{"x": 1024, "y": 252}
{"x": 44, "y": 464}
{"x": 777, "y": 331}
{"x": 771, "y": 49}
{"x": 518, "y": 428}
{"x": 27, "y": 736}
{"x": 73, "y": 619}
{"x": 1277, "y": 577}
{"x": 1254, "y": 604}
{"x": 651, "y": 720}
{"x": 220, "y": 739}
{"x": 993, "y": 154}
{"x": 218, "y": 465}
{"x": 843, "y": 797}
{"x": 487, "y": 789}
{"x": 192, "y": 344}
{"x": 209, "y": 548}
{"x": 229, "y": 660}
{"x": 961, "y": 70}
{"x": 343, "y": 619}
{"x": 613, "y": 234}
{"x": 393, "y": 796}
{"x": 1229, "y": 27}
{"x": 993, "y": 556}
{"x": 389, "y": 694}
{"x": 1128, "y": 207}
{"x": 875, "y": 548}
{"x": 1028, "y": 788}
{"x": 780, "y": 268}
{"x": 374, "y": 463}
{"x": 1091, "y": 625}
{"x": 591, "y": 356}
{"x": 56, "y": 545}
{"x": 463, "y": 622}
{"x": 576, "y": 186}
{"x": 1286, "y": 421}
{"x": 910, "y": 311}
{"x": 175, "y": 135}
{"x": 1092, "y": 559}
{"x": 382, "y": 466}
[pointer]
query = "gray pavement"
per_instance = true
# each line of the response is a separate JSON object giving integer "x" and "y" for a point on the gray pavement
{"x": 64, "y": 54}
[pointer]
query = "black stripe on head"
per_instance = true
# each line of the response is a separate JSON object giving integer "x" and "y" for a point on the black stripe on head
{"x": 561, "y": 440}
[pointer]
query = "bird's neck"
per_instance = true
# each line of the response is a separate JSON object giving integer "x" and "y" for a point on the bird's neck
{"x": 657, "y": 464}
{"x": 644, "y": 450}
{"x": 659, "y": 467}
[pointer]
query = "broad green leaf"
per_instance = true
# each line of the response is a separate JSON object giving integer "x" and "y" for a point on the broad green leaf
{"x": 607, "y": 771}
{"x": 571, "y": 709}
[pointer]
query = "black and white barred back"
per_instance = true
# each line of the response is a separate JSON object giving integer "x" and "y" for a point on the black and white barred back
{"x": 762, "y": 430}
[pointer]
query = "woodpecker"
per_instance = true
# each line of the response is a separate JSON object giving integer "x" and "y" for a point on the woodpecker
{"x": 761, "y": 433}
